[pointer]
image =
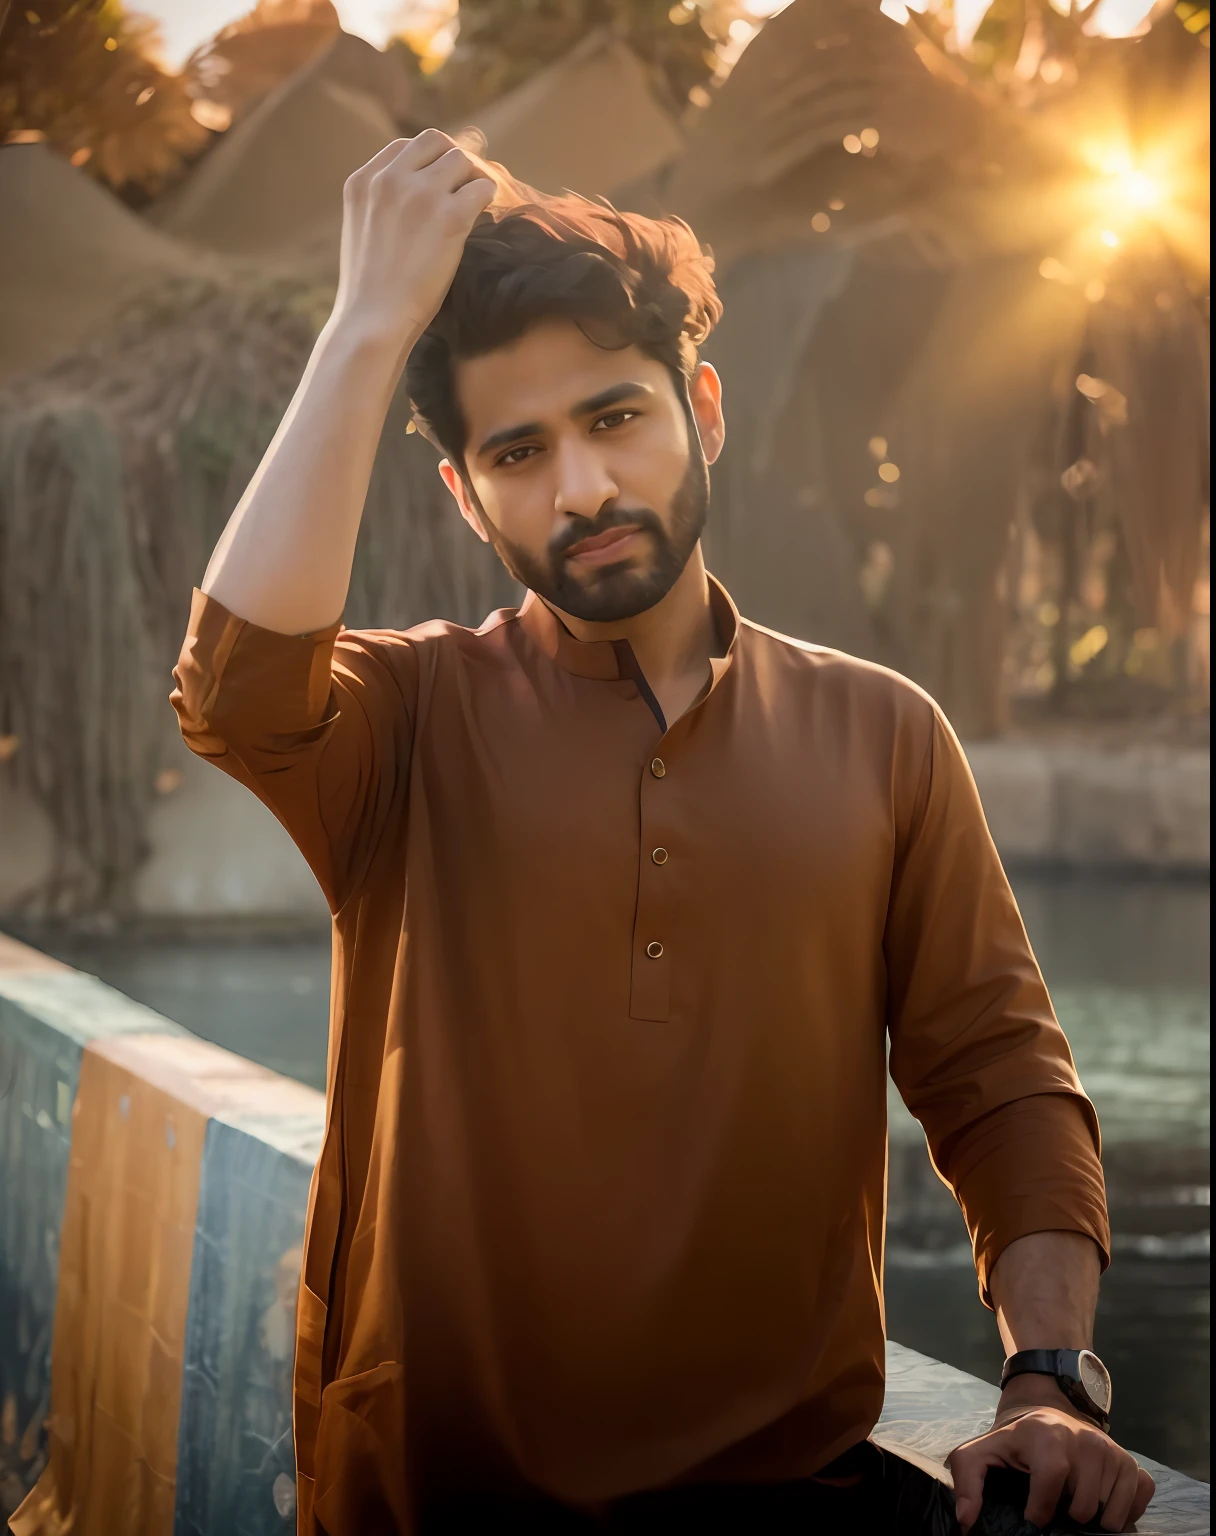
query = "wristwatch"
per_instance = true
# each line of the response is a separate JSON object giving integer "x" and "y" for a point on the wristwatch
{"x": 1082, "y": 1378}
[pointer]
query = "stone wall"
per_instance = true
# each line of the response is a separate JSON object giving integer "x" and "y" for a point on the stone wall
{"x": 152, "y": 1207}
{"x": 1086, "y": 806}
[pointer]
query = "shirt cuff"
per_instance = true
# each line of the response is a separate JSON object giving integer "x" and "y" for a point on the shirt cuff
{"x": 235, "y": 679}
{"x": 1032, "y": 1165}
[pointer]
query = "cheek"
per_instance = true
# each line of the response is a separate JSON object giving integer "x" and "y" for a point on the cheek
{"x": 652, "y": 470}
{"x": 520, "y": 508}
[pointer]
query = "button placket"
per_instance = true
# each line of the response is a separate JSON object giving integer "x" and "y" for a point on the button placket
{"x": 650, "y": 983}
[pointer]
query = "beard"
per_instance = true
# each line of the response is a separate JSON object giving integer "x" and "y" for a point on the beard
{"x": 623, "y": 590}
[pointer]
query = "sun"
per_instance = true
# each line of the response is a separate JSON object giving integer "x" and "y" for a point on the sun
{"x": 1138, "y": 190}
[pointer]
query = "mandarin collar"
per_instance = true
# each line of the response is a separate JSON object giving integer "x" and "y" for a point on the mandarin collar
{"x": 613, "y": 660}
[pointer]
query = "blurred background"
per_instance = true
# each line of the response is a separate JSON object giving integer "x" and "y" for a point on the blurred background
{"x": 963, "y": 248}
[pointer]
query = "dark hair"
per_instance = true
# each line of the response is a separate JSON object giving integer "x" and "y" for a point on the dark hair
{"x": 624, "y": 279}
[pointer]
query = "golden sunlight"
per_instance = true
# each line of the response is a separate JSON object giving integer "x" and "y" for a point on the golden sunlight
{"x": 1126, "y": 196}
{"x": 1138, "y": 190}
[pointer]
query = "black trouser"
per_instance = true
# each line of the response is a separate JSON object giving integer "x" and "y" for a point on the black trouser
{"x": 865, "y": 1492}
{"x": 868, "y": 1491}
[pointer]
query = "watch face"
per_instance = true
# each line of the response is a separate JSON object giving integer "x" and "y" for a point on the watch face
{"x": 1095, "y": 1379}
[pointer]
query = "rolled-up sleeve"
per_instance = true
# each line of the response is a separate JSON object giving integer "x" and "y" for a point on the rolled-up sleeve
{"x": 976, "y": 1051}
{"x": 318, "y": 726}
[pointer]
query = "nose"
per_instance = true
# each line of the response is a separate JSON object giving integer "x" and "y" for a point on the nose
{"x": 585, "y": 483}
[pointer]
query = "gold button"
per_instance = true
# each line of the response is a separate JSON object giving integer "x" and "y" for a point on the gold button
{"x": 658, "y": 767}
{"x": 654, "y": 949}
{"x": 659, "y": 855}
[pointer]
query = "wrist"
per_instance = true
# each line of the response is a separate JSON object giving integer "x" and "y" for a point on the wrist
{"x": 357, "y": 339}
{"x": 1029, "y": 1393}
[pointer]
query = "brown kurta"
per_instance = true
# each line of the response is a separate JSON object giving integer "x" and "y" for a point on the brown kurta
{"x": 601, "y": 1199}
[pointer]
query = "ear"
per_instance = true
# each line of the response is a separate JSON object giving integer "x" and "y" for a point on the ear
{"x": 454, "y": 481}
{"x": 705, "y": 396}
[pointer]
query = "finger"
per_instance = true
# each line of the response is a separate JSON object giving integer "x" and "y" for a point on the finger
{"x": 1118, "y": 1512}
{"x": 451, "y": 170}
{"x": 491, "y": 168}
{"x": 1049, "y": 1470}
{"x": 359, "y": 179}
{"x": 1087, "y": 1488}
{"x": 1110, "y": 1475}
{"x": 474, "y": 197}
{"x": 383, "y": 157}
{"x": 969, "y": 1467}
{"x": 424, "y": 150}
{"x": 1145, "y": 1488}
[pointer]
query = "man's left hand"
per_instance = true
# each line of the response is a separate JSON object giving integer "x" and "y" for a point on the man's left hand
{"x": 1037, "y": 1431}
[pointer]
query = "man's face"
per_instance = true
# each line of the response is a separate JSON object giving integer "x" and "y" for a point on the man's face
{"x": 584, "y": 471}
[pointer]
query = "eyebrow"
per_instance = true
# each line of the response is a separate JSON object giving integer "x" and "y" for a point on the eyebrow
{"x": 613, "y": 395}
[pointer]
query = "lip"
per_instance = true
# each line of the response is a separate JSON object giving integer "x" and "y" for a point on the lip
{"x": 603, "y": 547}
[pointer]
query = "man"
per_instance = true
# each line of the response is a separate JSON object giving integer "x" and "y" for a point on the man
{"x": 628, "y": 895}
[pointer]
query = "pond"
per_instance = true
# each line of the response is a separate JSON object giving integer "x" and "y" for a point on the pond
{"x": 1127, "y": 962}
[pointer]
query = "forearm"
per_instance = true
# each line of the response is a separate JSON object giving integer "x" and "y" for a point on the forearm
{"x": 284, "y": 560}
{"x": 1044, "y": 1288}
{"x": 1045, "y": 1291}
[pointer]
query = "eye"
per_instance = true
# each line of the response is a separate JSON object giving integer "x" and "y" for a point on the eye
{"x": 516, "y": 455}
{"x": 614, "y": 419}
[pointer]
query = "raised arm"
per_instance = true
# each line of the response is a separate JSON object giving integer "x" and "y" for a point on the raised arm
{"x": 284, "y": 560}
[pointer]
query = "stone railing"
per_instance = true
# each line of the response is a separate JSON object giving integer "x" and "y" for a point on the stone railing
{"x": 1082, "y": 805}
{"x": 152, "y": 1203}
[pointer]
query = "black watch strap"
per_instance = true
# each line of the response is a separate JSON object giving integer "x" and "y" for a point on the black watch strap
{"x": 1040, "y": 1362}
{"x": 1065, "y": 1366}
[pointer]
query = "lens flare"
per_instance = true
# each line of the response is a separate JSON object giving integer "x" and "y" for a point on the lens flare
{"x": 1138, "y": 190}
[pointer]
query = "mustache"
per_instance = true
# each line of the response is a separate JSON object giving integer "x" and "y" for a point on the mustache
{"x": 580, "y": 528}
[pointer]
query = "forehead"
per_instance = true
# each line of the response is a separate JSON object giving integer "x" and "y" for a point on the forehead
{"x": 544, "y": 373}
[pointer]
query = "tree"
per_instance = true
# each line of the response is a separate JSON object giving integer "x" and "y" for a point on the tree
{"x": 230, "y": 73}
{"x": 995, "y": 346}
{"x": 82, "y": 75}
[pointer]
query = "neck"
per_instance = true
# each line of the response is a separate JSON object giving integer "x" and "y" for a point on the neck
{"x": 673, "y": 641}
